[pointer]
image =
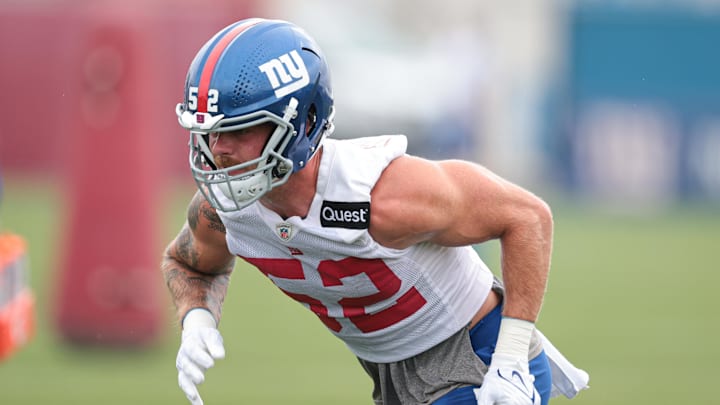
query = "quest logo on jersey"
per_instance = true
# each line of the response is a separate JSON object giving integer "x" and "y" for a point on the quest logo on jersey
{"x": 285, "y": 74}
{"x": 351, "y": 215}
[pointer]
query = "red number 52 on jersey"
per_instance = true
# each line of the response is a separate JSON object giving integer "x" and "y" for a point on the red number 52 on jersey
{"x": 354, "y": 308}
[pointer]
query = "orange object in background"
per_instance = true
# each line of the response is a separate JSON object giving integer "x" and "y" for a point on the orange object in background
{"x": 17, "y": 304}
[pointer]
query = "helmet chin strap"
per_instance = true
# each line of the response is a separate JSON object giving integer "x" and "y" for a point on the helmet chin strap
{"x": 247, "y": 188}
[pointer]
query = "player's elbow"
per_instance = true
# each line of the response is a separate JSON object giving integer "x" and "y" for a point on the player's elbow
{"x": 540, "y": 216}
{"x": 531, "y": 222}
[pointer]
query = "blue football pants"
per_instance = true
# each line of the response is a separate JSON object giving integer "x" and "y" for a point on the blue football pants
{"x": 483, "y": 337}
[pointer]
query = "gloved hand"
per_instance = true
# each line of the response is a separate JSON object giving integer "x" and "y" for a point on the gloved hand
{"x": 508, "y": 382}
{"x": 201, "y": 345}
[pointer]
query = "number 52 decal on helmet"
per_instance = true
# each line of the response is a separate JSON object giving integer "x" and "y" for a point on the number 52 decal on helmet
{"x": 212, "y": 99}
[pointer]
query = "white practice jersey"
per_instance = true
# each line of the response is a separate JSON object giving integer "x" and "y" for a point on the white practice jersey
{"x": 385, "y": 304}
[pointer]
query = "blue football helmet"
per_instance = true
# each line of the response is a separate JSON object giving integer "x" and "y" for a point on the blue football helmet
{"x": 252, "y": 72}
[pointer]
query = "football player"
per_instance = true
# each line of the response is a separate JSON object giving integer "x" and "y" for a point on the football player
{"x": 376, "y": 242}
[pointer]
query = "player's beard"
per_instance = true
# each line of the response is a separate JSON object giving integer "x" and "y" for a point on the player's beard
{"x": 225, "y": 161}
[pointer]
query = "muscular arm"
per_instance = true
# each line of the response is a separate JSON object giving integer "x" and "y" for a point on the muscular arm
{"x": 197, "y": 264}
{"x": 455, "y": 203}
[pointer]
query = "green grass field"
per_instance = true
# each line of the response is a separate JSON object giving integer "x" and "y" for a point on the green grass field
{"x": 631, "y": 300}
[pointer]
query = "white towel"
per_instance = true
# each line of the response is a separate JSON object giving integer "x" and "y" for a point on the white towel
{"x": 567, "y": 379}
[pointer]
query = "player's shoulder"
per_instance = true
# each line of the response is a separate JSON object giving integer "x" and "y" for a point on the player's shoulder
{"x": 412, "y": 184}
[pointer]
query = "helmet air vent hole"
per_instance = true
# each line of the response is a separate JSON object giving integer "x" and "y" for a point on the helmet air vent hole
{"x": 248, "y": 75}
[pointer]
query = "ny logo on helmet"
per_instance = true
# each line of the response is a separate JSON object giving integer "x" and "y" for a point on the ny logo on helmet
{"x": 285, "y": 74}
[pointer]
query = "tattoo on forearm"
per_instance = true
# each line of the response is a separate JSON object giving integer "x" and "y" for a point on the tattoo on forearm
{"x": 190, "y": 289}
{"x": 184, "y": 248}
{"x": 189, "y": 274}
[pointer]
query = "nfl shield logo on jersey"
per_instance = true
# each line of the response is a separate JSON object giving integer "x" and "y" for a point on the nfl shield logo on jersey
{"x": 284, "y": 230}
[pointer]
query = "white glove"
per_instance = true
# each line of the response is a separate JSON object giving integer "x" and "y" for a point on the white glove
{"x": 201, "y": 345}
{"x": 508, "y": 382}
